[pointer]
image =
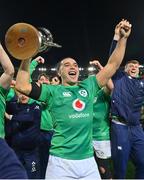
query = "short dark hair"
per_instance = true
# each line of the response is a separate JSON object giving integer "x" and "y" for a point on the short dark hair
{"x": 56, "y": 75}
{"x": 133, "y": 62}
{"x": 59, "y": 64}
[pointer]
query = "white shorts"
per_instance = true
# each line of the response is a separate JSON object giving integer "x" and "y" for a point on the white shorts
{"x": 102, "y": 149}
{"x": 59, "y": 168}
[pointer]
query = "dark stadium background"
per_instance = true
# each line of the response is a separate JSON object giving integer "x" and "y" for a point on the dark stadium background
{"x": 83, "y": 27}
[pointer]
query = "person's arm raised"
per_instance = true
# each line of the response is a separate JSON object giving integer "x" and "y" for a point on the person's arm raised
{"x": 23, "y": 84}
{"x": 116, "y": 57}
{"x": 7, "y": 76}
{"x": 109, "y": 86}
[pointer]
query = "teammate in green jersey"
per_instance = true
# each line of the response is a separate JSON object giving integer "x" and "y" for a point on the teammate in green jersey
{"x": 71, "y": 107}
{"x": 101, "y": 127}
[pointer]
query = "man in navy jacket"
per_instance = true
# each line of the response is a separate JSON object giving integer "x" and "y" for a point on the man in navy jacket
{"x": 126, "y": 102}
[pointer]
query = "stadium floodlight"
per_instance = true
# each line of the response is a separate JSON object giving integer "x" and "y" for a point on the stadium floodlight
{"x": 42, "y": 69}
{"x": 81, "y": 68}
{"x": 91, "y": 68}
{"x": 53, "y": 69}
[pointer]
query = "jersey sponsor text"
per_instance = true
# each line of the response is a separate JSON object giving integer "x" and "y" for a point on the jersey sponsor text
{"x": 79, "y": 115}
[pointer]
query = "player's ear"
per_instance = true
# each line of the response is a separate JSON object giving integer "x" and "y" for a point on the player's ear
{"x": 58, "y": 68}
{"x": 59, "y": 73}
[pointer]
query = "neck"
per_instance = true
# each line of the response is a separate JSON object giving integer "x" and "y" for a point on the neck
{"x": 69, "y": 83}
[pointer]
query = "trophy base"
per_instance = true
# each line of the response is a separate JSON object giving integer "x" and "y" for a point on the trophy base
{"x": 22, "y": 41}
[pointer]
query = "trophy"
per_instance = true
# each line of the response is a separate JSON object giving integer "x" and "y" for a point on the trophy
{"x": 24, "y": 41}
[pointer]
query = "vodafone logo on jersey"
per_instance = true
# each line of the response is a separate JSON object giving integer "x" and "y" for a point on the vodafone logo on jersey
{"x": 78, "y": 105}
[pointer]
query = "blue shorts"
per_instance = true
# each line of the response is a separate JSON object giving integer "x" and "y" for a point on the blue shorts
{"x": 10, "y": 167}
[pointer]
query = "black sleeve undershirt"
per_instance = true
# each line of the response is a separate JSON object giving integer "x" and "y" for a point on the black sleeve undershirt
{"x": 35, "y": 92}
{"x": 112, "y": 47}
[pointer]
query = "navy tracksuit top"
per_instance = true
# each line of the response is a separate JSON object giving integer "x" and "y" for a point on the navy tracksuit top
{"x": 24, "y": 127}
{"x": 127, "y": 96}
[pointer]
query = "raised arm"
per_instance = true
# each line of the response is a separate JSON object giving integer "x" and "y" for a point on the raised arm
{"x": 116, "y": 36}
{"x": 116, "y": 57}
{"x": 23, "y": 80}
{"x": 23, "y": 84}
{"x": 7, "y": 76}
{"x": 109, "y": 86}
{"x": 35, "y": 62}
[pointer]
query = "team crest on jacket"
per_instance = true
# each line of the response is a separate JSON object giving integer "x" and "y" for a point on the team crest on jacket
{"x": 78, "y": 105}
{"x": 83, "y": 93}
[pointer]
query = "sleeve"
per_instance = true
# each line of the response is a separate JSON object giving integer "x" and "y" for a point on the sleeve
{"x": 96, "y": 86}
{"x": 92, "y": 84}
{"x": 112, "y": 47}
{"x": 119, "y": 73}
{"x": 35, "y": 91}
{"x": 10, "y": 95}
{"x": 33, "y": 66}
{"x": 106, "y": 96}
{"x": 41, "y": 93}
{"x": 46, "y": 92}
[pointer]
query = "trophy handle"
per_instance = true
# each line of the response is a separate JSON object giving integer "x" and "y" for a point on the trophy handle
{"x": 46, "y": 40}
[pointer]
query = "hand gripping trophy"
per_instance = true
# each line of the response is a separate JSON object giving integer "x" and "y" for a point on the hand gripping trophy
{"x": 24, "y": 41}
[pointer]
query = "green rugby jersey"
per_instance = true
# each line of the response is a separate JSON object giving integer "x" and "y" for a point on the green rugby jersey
{"x": 71, "y": 108}
{"x": 3, "y": 95}
{"x": 46, "y": 119}
{"x": 10, "y": 94}
{"x": 101, "y": 124}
